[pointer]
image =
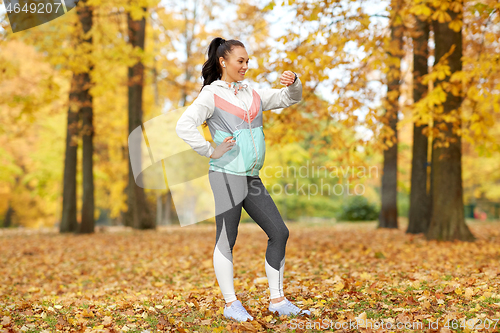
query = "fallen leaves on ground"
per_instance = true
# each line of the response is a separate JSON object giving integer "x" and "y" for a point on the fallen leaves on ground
{"x": 351, "y": 276}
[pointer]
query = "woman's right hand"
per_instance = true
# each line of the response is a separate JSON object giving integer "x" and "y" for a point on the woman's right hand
{"x": 225, "y": 146}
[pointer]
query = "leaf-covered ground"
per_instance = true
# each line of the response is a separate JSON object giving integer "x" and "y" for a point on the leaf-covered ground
{"x": 352, "y": 276}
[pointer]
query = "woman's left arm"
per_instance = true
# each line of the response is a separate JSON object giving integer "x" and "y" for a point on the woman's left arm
{"x": 281, "y": 98}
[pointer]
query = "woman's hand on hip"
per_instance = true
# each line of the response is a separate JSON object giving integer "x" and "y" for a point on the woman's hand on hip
{"x": 225, "y": 146}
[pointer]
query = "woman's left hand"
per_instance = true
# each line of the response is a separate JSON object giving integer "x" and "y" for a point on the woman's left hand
{"x": 287, "y": 78}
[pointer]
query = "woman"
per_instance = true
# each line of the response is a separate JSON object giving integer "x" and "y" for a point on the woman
{"x": 233, "y": 113}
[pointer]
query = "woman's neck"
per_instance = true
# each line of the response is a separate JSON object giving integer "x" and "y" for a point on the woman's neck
{"x": 228, "y": 80}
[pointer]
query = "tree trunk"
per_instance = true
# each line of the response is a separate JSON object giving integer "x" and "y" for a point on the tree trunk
{"x": 447, "y": 212}
{"x": 159, "y": 206}
{"x": 388, "y": 217}
{"x": 170, "y": 216}
{"x": 167, "y": 211}
{"x": 7, "y": 222}
{"x": 88, "y": 220}
{"x": 86, "y": 112}
{"x": 69, "y": 222}
{"x": 419, "y": 215}
{"x": 160, "y": 213}
{"x": 138, "y": 214}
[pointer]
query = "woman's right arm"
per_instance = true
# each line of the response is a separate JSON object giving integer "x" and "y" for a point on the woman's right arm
{"x": 281, "y": 98}
{"x": 201, "y": 109}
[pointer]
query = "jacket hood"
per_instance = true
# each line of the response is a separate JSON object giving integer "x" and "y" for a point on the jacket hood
{"x": 226, "y": 84}
{"x": 236, "y": 86}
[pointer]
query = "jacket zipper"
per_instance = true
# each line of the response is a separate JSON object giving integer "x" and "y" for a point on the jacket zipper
{"x": 253, "y": 141}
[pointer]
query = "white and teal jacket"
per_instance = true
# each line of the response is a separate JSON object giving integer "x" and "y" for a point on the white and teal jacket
{"x": 238, "y": 113}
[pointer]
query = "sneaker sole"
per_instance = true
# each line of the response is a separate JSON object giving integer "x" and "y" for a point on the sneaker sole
{"x": 275, "y": 312}
{"x": 236, "y": 320}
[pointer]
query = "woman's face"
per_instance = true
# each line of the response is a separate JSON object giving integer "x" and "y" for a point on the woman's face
{"x": 236, "y": 65}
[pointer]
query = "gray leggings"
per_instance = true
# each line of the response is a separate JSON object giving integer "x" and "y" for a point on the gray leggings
{"x": 231, "y": 193}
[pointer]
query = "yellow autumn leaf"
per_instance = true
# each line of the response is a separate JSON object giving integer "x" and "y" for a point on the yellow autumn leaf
{"x": 441, "y": 16}
{"x": 455, "y": 25}
{"x": 421, "y": 9}
{"x": 468, "y": 292}
{"x": 260, "y": 280}
{"x": 392, "y": 95}
{"x": 442, "y": 72}
{"x": 459, "y": 76}
{"x": 338, "y": 286}
{"x": 308, "y": 301}
{"x": 455, "y": 89}
{"x": 87, "y": 313}
{"x": 456, "y": 6}
{"x": 361, "y": 320}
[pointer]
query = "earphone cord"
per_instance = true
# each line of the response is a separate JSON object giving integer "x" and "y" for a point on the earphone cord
{"x": 244, "y": 115}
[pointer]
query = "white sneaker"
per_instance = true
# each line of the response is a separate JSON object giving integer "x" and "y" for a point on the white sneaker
{"x": 237, "y": 312}
{"x": 287, "y": 309}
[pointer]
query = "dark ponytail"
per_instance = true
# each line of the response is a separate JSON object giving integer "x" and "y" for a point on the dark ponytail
{"x": 219, "y": 47}
{"x": 211, "y": 70}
